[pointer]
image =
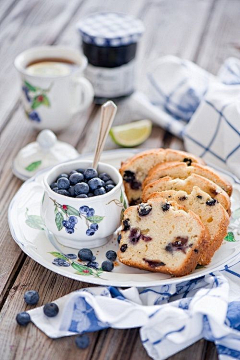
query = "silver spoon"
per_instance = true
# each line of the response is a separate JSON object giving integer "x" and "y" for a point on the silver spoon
{"x": 108, "y": 112}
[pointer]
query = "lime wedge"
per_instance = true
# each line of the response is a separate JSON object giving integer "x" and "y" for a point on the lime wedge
{"x": 132, "y": 134}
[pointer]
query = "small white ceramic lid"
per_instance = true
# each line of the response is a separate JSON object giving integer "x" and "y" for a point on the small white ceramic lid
{"x": 46, "y": 151}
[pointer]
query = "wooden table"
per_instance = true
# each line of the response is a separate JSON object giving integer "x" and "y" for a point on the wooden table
{"x": 205, "y": 31}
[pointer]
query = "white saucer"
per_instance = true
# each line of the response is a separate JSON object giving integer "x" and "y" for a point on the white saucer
{"x": 29, "y": 233}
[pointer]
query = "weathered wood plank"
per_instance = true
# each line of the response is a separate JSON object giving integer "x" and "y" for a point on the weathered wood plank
{"x": 221, "y": 36}
{"x": 25, "y": 26}
{"x": 171, "y": 41}
{"x": 21, "y": 135}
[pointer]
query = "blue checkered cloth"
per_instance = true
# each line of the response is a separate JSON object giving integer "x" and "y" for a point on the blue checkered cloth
{"x": 194, "y": 105}
{"x": 170, "y": 317}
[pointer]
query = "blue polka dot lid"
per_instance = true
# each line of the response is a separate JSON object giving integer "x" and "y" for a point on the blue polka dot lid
{"x": 110, "y": 29}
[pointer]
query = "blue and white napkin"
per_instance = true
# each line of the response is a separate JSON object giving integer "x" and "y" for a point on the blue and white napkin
{"x": 194, "y": 105}
{"x": 205, "y": 111}
{"x": 170, "y": 317}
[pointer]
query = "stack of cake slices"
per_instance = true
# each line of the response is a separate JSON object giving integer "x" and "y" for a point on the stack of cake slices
{"x": 178, "y": 215}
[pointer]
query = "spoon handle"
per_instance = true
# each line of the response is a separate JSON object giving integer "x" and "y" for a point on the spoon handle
{"x": 108, "y": 112}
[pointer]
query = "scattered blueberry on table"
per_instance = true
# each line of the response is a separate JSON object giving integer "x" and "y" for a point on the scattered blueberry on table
{"x": 23, "y": 318}
{"x": 83, "y": 183}
{"x": 31, "y": 297}
{"x": 50, "y": 309}
{"x": 82, "y": 341}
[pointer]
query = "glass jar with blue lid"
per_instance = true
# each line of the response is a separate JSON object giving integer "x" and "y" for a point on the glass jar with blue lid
{"x": 109, "y": 41}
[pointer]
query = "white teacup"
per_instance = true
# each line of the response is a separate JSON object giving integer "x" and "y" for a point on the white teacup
{"x": 104, "y": 211}
{"x": 52, "y": 95}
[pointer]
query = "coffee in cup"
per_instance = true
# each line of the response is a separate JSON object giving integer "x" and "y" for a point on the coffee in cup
{"x": 53, "y": 86}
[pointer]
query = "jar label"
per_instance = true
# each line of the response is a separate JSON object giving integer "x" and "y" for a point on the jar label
{"x": 111, "y": 82}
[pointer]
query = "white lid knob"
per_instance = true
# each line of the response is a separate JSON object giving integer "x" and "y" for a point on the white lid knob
{"x": 46, "y": 139}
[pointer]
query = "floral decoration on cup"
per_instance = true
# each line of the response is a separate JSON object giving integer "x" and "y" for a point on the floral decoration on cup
{"x": 36, "y": 97}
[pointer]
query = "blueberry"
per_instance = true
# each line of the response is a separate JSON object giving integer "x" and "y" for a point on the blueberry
{"x": 90, "y": 173}
{"x": 90, "y": 212}
{"x": 71, "y": 191}
{"x": 109, "y": 187}
{"x": 72, "y": 172}
{"x": 62, "y": 192}
{"x": 56, "y": 262}
{"x": 53, "y": 185}
{"x": 62, "y": 175}
{"x": 111, "y": 255}
{"x": 31, "y": 297}
{"x": 82, "y": 196}
{"x": 95, "y": 183}
{"x": 126, "y": 225}
{"x": 107, "y": 266}
{"x": 69, "y": 230}
{"x": 144, "y": 209}
{"x": 129, "y": 176}
{"x": 33, "y": 115}
{"x": 93, "y": 264}
{"x": 70, "y": 225}
{"x": 84, "y": 210}
{"x": 90, "y": 232}
{"x": 64, "y": 223}
{"x": 119, "y": 238}
{"x": 26, "y": 91}
{"x": 123, "y": 248}
{"x": 211, "y": 202}
{"x": 73, "y": 219}
{"x": 65, "y": 263}
{"x": 23, "y": 318}
{"x": 94, "y": 227}
{"x": 165, "y": 207}
{"x": 90, "y": 195}
{"x": 60, "y": 262}
{"x": 50, "y": 309}
{"x": 99, "y": 191}
{"x": 71, "y": 256}
{"x": 110, "y": 182}
{"x": 104, "y": 176}
{"x": 63, "y": 183}
{"x": 76, "y": 178}
{"x": 55, "y": 189}
{"x": 82, "y": 341}
{"x": 85, "y": 254}
{"x": 80, "y": 170}
{"x": 81, "y": 188}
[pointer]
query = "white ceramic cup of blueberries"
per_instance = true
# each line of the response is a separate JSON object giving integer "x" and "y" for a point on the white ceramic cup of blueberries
{"x": 87, "y": 221}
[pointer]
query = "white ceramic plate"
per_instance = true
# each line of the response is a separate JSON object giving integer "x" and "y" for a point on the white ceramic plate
{"x": 29, "y": 233}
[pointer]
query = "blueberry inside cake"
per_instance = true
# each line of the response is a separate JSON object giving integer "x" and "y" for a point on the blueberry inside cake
{"x": 135, "y": 170}
{"x": 210, "y": 212}
{"x": 161, "y": 236}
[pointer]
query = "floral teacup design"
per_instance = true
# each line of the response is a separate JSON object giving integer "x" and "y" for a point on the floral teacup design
{"x": 86, "y": 222}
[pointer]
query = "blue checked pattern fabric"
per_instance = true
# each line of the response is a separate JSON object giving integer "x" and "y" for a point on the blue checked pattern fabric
{"x": 170, "y": 317}
{"x": 194, "y": 105}
{"x": 110, "y": 29}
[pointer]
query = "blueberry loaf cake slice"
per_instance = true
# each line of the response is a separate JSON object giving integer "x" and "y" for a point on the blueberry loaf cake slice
{"x": 167, "y": 183}
{"x": 182, "y": 170}
{"x": 135, "y": 170}
{"x": 214, "y": 217}
{"x": 160, "y": 236}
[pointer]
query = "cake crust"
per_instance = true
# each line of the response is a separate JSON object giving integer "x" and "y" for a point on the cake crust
{"x": 135, "y": 170}
{"x": 167, "y": 183}
{"x": 181, "y": 170}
